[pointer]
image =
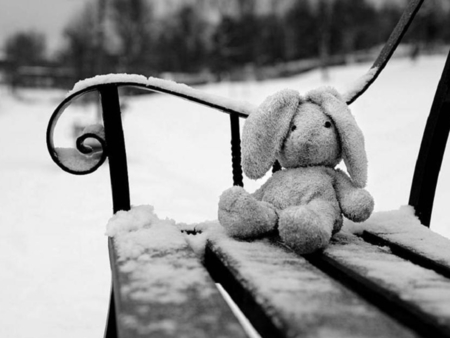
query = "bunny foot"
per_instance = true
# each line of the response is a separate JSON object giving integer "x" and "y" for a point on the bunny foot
{"x": 243, "y": 216}
{"x": 303, "y": 230}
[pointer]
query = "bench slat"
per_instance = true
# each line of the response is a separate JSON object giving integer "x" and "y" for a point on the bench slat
{"x": 430, "y": 258}
{"x": 170, "y": 294}
{"x": 403, "y": 233}
{"x": 283, "y": 295}
{"x": 416, "y": 295}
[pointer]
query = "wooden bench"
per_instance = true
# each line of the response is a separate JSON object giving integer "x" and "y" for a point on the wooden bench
{"x": 391, "y": 280}
{"x": 352, "y": 289}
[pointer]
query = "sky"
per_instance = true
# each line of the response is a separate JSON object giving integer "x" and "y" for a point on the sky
{"x": 46, "y": 16}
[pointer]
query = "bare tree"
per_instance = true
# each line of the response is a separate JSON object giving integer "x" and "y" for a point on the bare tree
{"x": 325, "y": 12}
{"x": 23, "y": 49}
{"x": 81, "y": 46}
{"x": 132, "y": 21}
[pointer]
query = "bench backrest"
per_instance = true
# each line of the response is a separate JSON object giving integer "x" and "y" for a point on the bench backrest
{"x": 428, "y": 163}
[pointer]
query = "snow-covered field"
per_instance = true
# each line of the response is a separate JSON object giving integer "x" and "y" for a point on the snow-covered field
{"x": 53, "y": 253}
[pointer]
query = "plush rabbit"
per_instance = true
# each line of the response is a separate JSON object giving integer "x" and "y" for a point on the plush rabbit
{"x": 305, "y": 201}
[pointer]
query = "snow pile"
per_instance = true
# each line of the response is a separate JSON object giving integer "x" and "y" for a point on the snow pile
{"x": 105, "y": 79}
{"x": 71, "y": 158}
{"x": 357, "y": 86}
{"x": 197, "y": 234}
{"x": 166, "y": 85}
{"x": 155, "y": 256}
{"x": 75, "y": 160}
{"x": 140, "y": 229}
{"x": 220, "y": 101}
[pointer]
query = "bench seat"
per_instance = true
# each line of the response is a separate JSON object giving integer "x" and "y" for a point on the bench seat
{"x": 284, "y": 295}
{"x": 160, "y": 288}
{"x": 390, "y": 278}
{"x": 358, "y": 287}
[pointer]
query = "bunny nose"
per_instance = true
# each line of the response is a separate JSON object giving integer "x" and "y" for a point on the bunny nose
{"x": 307, "y": 148}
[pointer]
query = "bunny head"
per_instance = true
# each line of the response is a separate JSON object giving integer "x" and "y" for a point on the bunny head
{"x": 311, "y": 139}
{"x": 315, "y": 130}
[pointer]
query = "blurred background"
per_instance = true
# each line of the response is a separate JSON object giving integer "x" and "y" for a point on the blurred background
{"x": 53, "y": 43}
{"x": 54, "y": 265}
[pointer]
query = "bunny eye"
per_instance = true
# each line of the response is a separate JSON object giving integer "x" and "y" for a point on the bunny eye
{"x": 293, "y": 127}
{"x": 327, "y": 124}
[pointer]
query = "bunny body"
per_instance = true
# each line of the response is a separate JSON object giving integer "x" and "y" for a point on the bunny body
{"x": 305, "y": 201}
{"x": 298, "y": 186}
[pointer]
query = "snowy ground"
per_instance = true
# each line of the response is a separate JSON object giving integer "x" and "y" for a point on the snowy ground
{"x": 53, "y": 253}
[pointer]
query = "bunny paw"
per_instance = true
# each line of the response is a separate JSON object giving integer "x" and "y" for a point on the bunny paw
{"x": 358, "y": 205}
{"x": 243, "y": 216}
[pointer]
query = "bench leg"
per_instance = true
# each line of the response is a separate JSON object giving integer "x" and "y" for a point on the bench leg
{"x": 111, "y": 326}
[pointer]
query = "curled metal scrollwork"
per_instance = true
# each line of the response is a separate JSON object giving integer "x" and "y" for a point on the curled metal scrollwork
{"x": 83, "y": 158}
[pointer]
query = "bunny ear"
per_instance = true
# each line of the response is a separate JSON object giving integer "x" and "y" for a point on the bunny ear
{"x": 351, "y": 136}
{"x": 265, "y": 130}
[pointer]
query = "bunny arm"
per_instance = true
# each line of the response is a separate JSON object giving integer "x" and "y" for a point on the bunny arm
{"x": 259, "y": 193}
{"x": 356, "y": 203}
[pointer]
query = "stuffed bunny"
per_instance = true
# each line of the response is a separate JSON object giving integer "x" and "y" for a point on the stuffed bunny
{"x": 305, "y": 201}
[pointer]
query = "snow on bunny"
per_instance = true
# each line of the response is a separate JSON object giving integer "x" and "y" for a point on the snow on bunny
{"x": 153, "y": 252}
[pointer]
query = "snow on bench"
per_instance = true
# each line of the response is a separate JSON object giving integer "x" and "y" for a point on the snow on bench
{"x": 284, "y": 295}
{"x": 419, "y": 296}
{"x": 352, "y": 289}
{"x": 402, "y": 232}
{"x": 160, "y": 287}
